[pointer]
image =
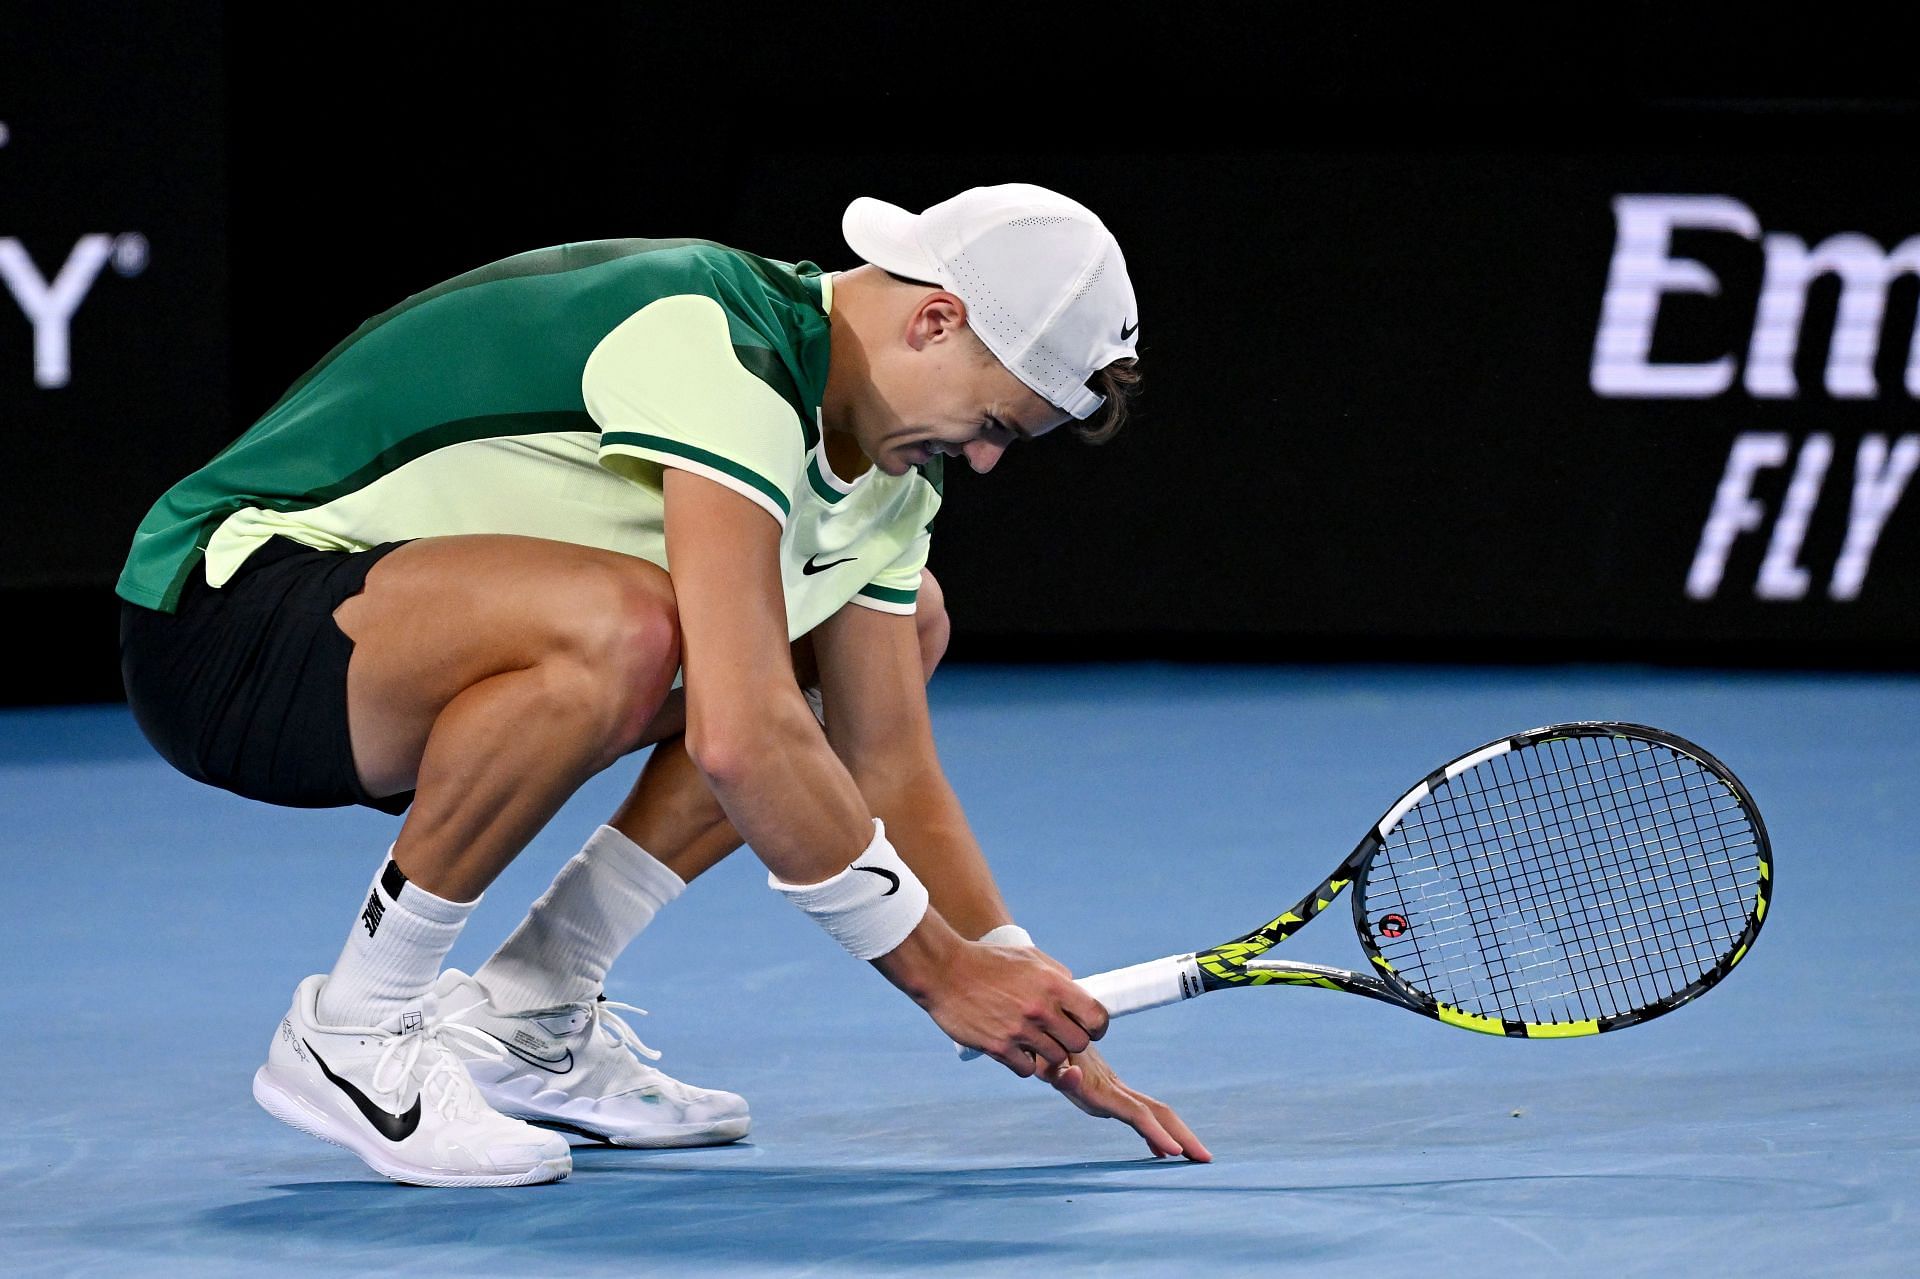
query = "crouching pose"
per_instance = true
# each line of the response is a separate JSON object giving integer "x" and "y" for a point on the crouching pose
{"x": 587, "y": 500}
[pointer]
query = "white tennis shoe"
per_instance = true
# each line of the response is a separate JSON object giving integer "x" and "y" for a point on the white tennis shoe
{"x": 574, "y": 1067}
{"x": 399, "y": 1097}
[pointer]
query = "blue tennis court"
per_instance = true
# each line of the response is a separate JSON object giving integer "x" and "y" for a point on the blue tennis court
{"x": 155, "y": 928}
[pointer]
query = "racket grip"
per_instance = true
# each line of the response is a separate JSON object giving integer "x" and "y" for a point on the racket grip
{"x": 1144, "y": 986}
{"x": 1137, "y": 988}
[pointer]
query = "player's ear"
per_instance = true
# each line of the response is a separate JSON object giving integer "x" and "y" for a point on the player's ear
{"x": 940, "y": 317}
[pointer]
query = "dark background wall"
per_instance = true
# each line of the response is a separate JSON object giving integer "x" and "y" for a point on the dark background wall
{"x": 1374, "y": 262}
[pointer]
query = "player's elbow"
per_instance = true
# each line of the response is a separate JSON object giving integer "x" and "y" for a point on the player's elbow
{"x": 724, "y": 753}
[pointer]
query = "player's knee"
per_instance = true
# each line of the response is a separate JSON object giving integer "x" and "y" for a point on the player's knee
{"x": 622, "y": 635}
{"x": 930, "y": 621}
{"x": 653, "y": 647}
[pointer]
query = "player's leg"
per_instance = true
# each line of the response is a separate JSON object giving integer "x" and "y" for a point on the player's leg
{"x": 490, "y": 676}
{"x": 541, "y": 987}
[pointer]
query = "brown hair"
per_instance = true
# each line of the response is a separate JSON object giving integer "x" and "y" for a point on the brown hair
{"x": 1119, "y": 382}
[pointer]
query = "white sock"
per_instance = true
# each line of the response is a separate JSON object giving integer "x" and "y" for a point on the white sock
{"x": 394, "y": 952}
{"x": 599, "y": 902}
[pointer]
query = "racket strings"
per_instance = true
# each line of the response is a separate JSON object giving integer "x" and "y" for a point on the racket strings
{"x": 1708, "y": 784}
{"x": 1572, "y": 879}
{"x": 1619, "y": 881}
{"x": 1607, "y": 938}
{"x": 1610, "y": 941}
{"x": 1706, "y": 929}
{"x": 1627, "y": 855}
{"x": 1579, "y": 973}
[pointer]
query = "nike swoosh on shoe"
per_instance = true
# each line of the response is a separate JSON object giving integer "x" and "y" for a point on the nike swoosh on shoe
{"x": 393, "y": 1127}
{"x": 561, "y": 1065}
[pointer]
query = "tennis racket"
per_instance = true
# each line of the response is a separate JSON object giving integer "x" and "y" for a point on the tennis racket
{"x": 1565, "y": 881}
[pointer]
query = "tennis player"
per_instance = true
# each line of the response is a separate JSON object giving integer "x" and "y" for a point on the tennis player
{"x": 434, "y": 579}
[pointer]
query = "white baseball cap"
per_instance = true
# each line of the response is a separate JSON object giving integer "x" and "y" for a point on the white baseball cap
{"x": 1045, "y": 286}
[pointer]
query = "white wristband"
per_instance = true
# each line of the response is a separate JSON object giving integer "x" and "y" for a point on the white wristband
{"x": 869, "y": 907}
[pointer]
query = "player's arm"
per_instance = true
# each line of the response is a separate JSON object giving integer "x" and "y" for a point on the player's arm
{"x": 872, "y": 677}
{"x": 748, "y": 727}
{"x": 751, "y": 735}
{"x": 874, "y": 687}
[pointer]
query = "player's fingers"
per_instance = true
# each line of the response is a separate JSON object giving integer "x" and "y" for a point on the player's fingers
{"x": 1175, "y": 1127}
{"x": 1089, "y": 1012}
{"x": 1138, "y": 1116}
{"x": 1042, "y": 1043}
{"x": 1157, "y": 1125}
{"x": 1061, "y": 1028}
{"x": 1097, "y": 1093}
{"x": 1076, "y": 1087}
{"x": 1015, "y": 1058}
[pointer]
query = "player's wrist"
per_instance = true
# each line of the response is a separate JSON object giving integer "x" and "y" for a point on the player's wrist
{"x": 871, "y": 907}
{"x": 923, "y": 966}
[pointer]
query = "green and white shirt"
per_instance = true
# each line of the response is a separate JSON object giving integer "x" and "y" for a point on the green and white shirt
{"x": 542, "y": 396}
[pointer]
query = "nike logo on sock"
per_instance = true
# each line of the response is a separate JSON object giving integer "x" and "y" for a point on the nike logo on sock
{"x": 561, "y": 1065}
{"x": 389, "y": 1125}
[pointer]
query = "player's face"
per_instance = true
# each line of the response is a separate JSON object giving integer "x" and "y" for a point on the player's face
{"x": 941, "y": 393}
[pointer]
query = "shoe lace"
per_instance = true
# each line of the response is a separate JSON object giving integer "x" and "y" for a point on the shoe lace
{"x": 605, "y": 1018}
{"x": 443, "y": 1077}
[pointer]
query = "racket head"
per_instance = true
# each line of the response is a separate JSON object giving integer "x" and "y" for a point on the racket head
{"x": 1570, "y": 880}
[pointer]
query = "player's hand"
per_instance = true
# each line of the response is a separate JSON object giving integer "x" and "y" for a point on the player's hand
{"x": 1089, "y": 1083}
{"x": 1016, "y": 1005}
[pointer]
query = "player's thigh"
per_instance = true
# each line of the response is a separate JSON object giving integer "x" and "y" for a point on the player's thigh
{"x": 442, "y": 614}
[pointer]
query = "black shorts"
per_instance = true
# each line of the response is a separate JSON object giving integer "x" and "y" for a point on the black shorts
{"x": 245, "y": 687}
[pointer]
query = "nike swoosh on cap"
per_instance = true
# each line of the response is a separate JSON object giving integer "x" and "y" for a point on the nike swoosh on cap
{"x": 389, "y": 1125}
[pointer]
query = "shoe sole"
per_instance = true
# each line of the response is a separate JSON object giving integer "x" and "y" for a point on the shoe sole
{"x": 292, "y": 1111}
{"x": 719, "y": 1134}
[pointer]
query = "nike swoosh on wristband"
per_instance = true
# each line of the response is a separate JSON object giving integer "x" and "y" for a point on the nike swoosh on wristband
{"x": 810, "y": 568}
{"x": 892, "y": 879}
{"x": 389, "y": 1125}
{"x": 552, "y": 1065}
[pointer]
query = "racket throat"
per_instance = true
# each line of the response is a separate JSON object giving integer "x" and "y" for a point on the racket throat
{"x": 1285, "y": 972}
